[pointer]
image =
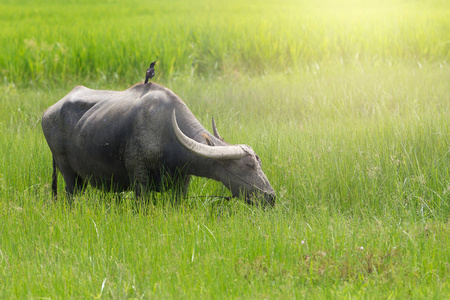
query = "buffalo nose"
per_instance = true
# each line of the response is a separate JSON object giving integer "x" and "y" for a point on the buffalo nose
{"x": 269, "y": 199}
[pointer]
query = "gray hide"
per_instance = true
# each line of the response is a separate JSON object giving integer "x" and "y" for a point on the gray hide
{"x": 123, "y": 139}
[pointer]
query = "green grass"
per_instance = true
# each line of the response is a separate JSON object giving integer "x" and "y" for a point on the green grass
{"x": 350, "y": 116}
{"x": 109, "y": 41}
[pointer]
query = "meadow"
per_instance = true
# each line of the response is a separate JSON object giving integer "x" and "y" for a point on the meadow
{"x": 348, "y": 106}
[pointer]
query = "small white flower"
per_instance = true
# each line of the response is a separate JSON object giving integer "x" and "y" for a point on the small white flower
{"x": 303, "y": 242}
{"x": 361, "y": 248}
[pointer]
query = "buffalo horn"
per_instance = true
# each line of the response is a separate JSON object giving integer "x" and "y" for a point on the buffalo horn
{"x": 217, "y": 152}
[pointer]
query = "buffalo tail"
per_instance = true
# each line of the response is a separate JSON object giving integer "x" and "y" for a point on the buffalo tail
{"x": 54, "y": 180}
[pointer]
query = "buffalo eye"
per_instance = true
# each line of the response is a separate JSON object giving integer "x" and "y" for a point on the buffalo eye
{"x": 251, "y": 166}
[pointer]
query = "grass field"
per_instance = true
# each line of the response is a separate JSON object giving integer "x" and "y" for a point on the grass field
{"x": 347, "y": 105}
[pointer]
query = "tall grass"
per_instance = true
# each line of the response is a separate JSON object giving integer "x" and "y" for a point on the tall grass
{"x": 360, "y": 139}
{"x": 75, "y": 42}
{"x": 347, "y": 105}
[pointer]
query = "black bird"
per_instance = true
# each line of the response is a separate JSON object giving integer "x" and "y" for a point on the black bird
{"x": 150, "y": 72}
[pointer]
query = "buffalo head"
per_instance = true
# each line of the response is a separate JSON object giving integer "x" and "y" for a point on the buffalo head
{"x": 236, "y": 166}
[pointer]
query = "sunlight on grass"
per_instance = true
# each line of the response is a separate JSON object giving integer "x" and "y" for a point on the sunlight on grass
{"x": 231, "y": 39}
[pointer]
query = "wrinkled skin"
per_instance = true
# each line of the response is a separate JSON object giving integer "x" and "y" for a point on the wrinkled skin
{"x": 118, "y": 140}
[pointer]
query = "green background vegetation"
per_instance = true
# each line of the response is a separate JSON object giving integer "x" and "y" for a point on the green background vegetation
{"x": 347, "y": 104}
{"x": 72, "y": 41}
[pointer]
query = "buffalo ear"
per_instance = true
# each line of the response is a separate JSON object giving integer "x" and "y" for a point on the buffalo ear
{"x": 208, "y": 140}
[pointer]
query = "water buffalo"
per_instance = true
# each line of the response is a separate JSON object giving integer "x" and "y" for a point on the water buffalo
{"x": 144, "y": 138}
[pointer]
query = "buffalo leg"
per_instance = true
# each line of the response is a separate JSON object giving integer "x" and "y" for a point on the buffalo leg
{"x": 71, "y": 179}
{"x": 180, "y": 187}
{"x": 187, "y": 180}
{"x": 142, "y": 185}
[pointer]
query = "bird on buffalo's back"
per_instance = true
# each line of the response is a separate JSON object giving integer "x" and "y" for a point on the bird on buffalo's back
{"x": 150, "y": 72}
